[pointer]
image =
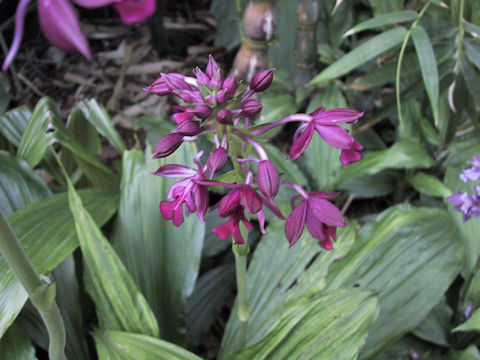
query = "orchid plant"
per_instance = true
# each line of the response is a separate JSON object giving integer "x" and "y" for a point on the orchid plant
{"x": 60, "y": 24}
{"x": 222, "y": 109}
{"x": 469, "y": 203}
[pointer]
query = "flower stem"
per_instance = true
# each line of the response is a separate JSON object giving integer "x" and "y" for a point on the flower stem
{"x": 241, "y": 252}
{"x": 40, "y": 292}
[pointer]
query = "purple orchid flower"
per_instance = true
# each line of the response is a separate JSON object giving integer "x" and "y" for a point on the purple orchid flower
{"x": 321, "y": 217}
{"x": 187, "y": 191}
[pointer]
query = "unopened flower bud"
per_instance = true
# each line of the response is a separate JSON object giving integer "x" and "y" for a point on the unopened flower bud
{"x": 167, "y": 145}
{"x": 230, "y": 85}
{"x": 262, "y": 80}
{"x": 180, "y": 117}
{"x": 224, "y": 116}
{"x": 222, "y": 96}
{"x": 159, "y": 87}
{"x": 217, "y": 161}
{"x": 268, "y": 179}
{"x": 175, "y": 81}
{"x": 251, "y": 107}
{"x": 202, "y": 111}
{"x": 189, "y": 128}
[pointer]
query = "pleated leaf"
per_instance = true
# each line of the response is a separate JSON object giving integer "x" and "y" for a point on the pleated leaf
{"x": 429, "y": 185}
{"x": 113, "y": 345}
{"x": 368, "y": 50}
{"x": 409, "y": 256}
{"x": 99, "y": 118}
{"x": 46, "y": 231}
{"x": 395, "y": 17}
{"x": 330, "y": 326}
{"x": 19, "y": 184}
{"x": 120, "y": 306}
{"x": 278, "y": 274}
{"x": 14, "y": 345}
{"x": 14, "y": 122}
{"x": 163, "y": 259}
{"x": 428, "y": 66}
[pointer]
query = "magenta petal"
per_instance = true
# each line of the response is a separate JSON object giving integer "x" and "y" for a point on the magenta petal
{"x": 189, "y": 128}
{"x": 315, "y": 227}
{"x": 166, "y": 209}
{"x": 324, "y": 194}
{"x": 268, "y": 179}
{"x": 335, "y": 136}
{"x": 349, "y": 156}
{"x": 302, "y": 142}
{"x": 261, "y": 221}
{"x": 200, "y": 194}
{"x": 325, "y": 212}
{"x": 17, "y": 37}
{"x": 180, "y": 117}
{"x": 228, "y": 204}
{"x": 158, "y": 87}
{"x": 167, "y": 145}
{"x": 174, "y": 170}
{"x": 213, "y": 69}
{"x": 456, "y": 198}
{"x": 224, "y": 230}
{"x": 250, "y": 199}
{"x": 61, "y": 27}
{"x": 133, "y": 11}
{"x": 295, "y": 223}
{"x": 178, "y": 216}
{"x": 91, "y": 4}
{"x": 217, "y": 160}
{"x": 336, "y": 116}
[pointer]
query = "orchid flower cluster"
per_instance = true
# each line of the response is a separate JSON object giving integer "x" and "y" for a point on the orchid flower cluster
{"x": 60, "y": 25}
{"x": 469, "y": 204}
{"x": 222, "y": 109}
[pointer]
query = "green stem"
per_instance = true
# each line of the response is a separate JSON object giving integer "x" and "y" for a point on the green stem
{"x": 41, "y": 293}
{"x": 241, "y": 252}
{"x": 399, "y": 64}
{"x": 460, "y": 36}
{"x": 239, "y": 18}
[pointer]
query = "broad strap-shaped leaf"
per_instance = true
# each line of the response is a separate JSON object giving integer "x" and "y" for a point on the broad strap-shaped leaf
{"x": 404, "y": 154}
{"x": 19, "y": 184}
{"x": 436, "y": 327}
{"x": 429, "y": 185}
{"x": 163, "y": 259}
{"x": 14, "y": 345}
{"x": 278, "y": 274}
{"x": 120, "y": 306}
{"x": 369, "y": 50}
{"x": 473, "y": 52}
{"x": 99, "y": 118}
{"x": 472, "y": 324}
{"x": 14, "y": 122}
{"x": 395, "y": 17}
{"x": 428, "y": 66}
{"x": 113, "y": 345}
{"x": 46, "y": 231}
{"x": 333, "y": 325}
{"x": 409, "y": 256}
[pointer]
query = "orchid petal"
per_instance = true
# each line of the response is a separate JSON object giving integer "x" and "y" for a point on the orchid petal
{"x": 337, "y": 116}
{"x": 325, "y": 212}
{"x": 174, "y": 170}
{"x": 134, "y": 11}
{"x": 301, "y": 143}
{"x": 92, "y": 4}
{"x": 335, "y": 136}
{"x": 295, "y": 223}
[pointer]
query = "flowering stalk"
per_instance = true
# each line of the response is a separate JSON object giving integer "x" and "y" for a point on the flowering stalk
{"x": 469, "y": 203}
{"x": 222, "y": 108}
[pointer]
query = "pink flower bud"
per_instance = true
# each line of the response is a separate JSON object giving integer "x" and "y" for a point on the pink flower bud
{"x": 214, "y": 71}
{"x": 268, "y": 179}
{"x": 250, "y": 199}
{"x": 188, "y": 128}
{"x": 134, "y": 11}
{"x": 159, "y": 87}
{"x": 217, "y": 161}
{"x": 202, "y": 78}
{"x": 180, "y": 117}
{"x": 224, "y": 116}
{"x": 230, "y": 85}
{"x": 202, "y": 111}
{"x": 167, "y": 145}
{"x": 229, "y": 203}
{"x": 251, "y": 107}
{"x": 262, "y": 80}
{"x": 222, "y": 96}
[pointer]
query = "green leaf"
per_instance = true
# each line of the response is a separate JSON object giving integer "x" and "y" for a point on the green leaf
{"x": 99, "y": 118}
{"x": 469, "y": 229}
{"x": 473, "y": 29}
{"x": 288, "y": 169}
{"x": 404, "y": 154}
{"x": 369, "y": 50}
{"x": 428, "y": 66}
{"x": 208, "y": 299}
{"x": 382, "y": 6}
{"x": 330, "y": 326}
{"x": 435, "y": 328}
{"x": 14, "y": 345}
{"x": 19, "y": 184}
{"x": 409, "y": 256}
{"x": 5, "y": 95}
{"x": 473, "y": 51}
{"x": 14, "y": 122}
{"x": 162, "y": 258}
{"x": 113, "y": 345}
{"x": 470, "y": 353}
{"x": 382, "y": 20}
{"x": 429, "y": 185}
{"x": 276, "y": 107}
{"x": 278, "y": 274}
{"x": 368, "y": 186}
{"x": 46, "y": 231}
{"x": 472, "y": 324}
{"x": 225, "y": 12}
{"x": 120, "y": 306}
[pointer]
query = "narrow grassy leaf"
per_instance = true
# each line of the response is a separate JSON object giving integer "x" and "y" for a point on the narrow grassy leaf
{"x": 473, "y": 51}
{"x": 473, "y": 29}
{"x": 46, "y": 231}
{"x": 409, "y": 256}
{"x": 113, "y": 345}
{"x": 472, "y": 324}
{"x": 428, "y": 66}
{"x": 429, "y": 185}
{"x": 361, "y": 54}
{"x": 99, "y": 118}
{"x": 333, "y": 325}
{"x": 163, "y": 259}
{"x": 14, "y": 345}
{"x": 395, "y": 17}
{"x": 470, "y": 353}
{"x": 19, "y": 184}
{"x": 14, "y": 122}
{"x": 120, "y": 306}
{"x": 278, "y": 274}
{"x": 5, "y": 95}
